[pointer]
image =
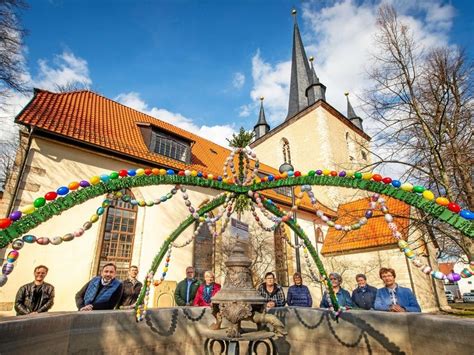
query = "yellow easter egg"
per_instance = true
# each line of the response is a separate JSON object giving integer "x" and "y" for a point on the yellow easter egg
{"x": 427, "y": 194}
{"x": 94, "y": 180}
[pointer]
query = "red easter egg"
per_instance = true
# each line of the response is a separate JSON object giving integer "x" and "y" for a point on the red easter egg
{"x": 453, "y": 207}
{"x": 50, "y": 195}
{"x": 387, "y": 180}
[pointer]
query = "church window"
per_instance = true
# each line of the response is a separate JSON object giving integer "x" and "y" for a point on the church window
{"x": 203, "y": 252}
{"x": 170, "y": 146}
{"x": 117, "y": 237}
{"x": 281, "y": 262}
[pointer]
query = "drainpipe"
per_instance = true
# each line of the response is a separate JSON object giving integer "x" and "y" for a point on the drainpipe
{"x": 20, "y": 175}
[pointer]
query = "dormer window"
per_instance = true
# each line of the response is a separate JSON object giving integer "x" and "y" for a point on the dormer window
{"x": 170, "y": 146}
{"x": 166, "y": 143}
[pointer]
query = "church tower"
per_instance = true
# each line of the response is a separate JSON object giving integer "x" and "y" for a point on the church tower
{"x": 351, "y": 115}
{"x": 305, "y": 87}
{"x": 262, "y": 127}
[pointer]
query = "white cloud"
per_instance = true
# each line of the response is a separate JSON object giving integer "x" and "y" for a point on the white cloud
{"x": 271, "y": 82}
{"x": 65, "y": 69}
{"x": 238, "y": 80}
{"x": 217, "y": 133}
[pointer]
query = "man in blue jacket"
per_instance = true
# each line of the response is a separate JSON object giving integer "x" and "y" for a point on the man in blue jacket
{"x": 394, "y": 298}
{"x": 364, "y": 295}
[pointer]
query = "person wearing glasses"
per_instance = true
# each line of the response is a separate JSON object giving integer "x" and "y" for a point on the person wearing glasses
{"x": 394, "y": 298}
{"x": 343, "y": 296}
{"x": 186, "y": 289}
{"x": 272, "y": 292}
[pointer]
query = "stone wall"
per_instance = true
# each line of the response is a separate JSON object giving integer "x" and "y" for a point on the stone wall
{"x": 181, "y": 331}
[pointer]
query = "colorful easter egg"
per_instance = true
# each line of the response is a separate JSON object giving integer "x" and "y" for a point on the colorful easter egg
{"x": 56, "y": 240}
{"x": 28, "y": 209}
{"x": 406, "y": 187}
{"x": 50, "y": 196}
{"x": 3, "y": 280}
{"x": 12, "y": 256}
{"x": 15, "y": 215}
{"x": 410, "y": 254}
{"x": 442, "y": 201}
{"x": 402, "y": 244}
{"x": 453, "y": 277}
{"x": 30, "y": 239}
{"x": 427, "y": 194}
{"x": 63, "y": 190}
{"x": 438, "y": 275}
{"x": 39, "y": 202}
{"x": 467, "y": 214}
{"x": 94, "y": 180}
{"x": 73, "y": 185}
{"x": 5, "y": 223}
{"x": 17, "y": 244}
{"x": 42, "y": 240}
{"x": 426, "y": 270}
{"x": 67, "y": 237}
{"x": 7, "y": 268}
{"x": 87, "y": 225}
{"x": 465, "y": 273}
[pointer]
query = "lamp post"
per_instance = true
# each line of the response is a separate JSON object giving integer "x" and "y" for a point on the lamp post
{"x": 284, "y": 168}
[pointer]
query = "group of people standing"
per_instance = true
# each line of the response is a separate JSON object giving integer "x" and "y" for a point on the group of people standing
{"x": 101, "y": 292}
{"x": 107, "y": 292}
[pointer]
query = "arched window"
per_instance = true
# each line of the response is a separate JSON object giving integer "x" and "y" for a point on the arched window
{"x": 203, "y": 252}
{"x": 281, "y": 262}
{"x": 118, "y": 234}
{"x": 286, "y": 150}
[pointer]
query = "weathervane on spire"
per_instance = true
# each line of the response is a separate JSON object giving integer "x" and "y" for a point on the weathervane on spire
{"x": 293, "y": 13}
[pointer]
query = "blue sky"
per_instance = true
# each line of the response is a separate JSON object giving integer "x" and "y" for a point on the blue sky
{"x": 203, "y": 64}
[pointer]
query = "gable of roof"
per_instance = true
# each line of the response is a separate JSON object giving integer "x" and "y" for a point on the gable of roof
{"x": 320, "y": 103}
{"x": 374, "y": 234}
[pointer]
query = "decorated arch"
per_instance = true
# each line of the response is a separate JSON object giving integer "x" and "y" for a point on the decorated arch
{"x": 241, "y": 190}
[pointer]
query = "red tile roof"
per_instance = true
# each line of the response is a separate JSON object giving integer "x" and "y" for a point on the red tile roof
{"x": 374, "y": 234}
{"x": 101, "y": 122}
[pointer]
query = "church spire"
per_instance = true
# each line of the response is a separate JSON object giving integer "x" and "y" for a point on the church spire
{"x": 316, "y": 90}
{"x": 351, "y": 115}
{"x": 300, "y": 74}
{"x": 262, "y": 127}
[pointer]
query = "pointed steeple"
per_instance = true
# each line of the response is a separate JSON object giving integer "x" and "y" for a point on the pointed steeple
{"x": 351, "y": 115}
{"x": 316, "y": 90}
{"x": 262, "y": 127}
{"x": 300, "y": 74}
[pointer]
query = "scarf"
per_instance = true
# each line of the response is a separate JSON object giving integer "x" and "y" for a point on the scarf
{"x": 207, "y": 293}
{"x": 104, "y": 294}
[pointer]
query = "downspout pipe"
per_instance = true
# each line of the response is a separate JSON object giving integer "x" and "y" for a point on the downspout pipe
{"x": 21, "y": 173}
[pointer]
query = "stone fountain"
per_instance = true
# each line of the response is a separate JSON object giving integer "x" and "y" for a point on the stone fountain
{"x": 239, "y": 301}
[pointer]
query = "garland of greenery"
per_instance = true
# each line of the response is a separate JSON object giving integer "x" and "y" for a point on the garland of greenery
{"x": 60, "y": 204}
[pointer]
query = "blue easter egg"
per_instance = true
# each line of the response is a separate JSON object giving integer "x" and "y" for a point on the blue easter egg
{"x": 199, "y": 174}
{"x": 467, "y": 214}
{"x": 105, "y": 177}
{"x": 131, "y": 172}
{"x": 170, "y": 172}
{"x": 63, "y": 190}
{"x": 396, "y": 183}
{"x": 29, "y": 238}
{"x": 270, "y": 178}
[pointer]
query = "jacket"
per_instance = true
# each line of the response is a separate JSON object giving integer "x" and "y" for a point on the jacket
{"x": 199, "y": 299}
{"x": 405, "y": 298}
{"x": 180, "y": 292}
{"x": 343, "y": 298}
{"x": 111, "y": 303}
{"x": 130, "y": 293}
{"x": 24, "y": 303}
{"x": 277, "y": 295}
{"x": 364, "y": 298}
{"x": 299, "y": 296}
